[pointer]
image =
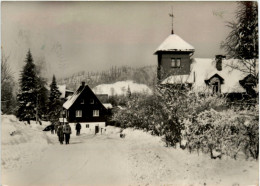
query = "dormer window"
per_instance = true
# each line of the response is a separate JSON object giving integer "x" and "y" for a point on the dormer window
{"x": 175, "y": 62}
{"x": 82, "y": 101}
{"x": 215, "y": 83}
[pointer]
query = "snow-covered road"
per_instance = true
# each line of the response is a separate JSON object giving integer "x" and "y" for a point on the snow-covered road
{"x": 32, "y": 157}
{"x": 87, "y": 160}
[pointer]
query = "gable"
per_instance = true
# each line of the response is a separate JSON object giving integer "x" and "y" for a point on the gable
{"x": 88, "y": 96}
{"x": 248, "y": 80}
{"x": 214, "y": 78}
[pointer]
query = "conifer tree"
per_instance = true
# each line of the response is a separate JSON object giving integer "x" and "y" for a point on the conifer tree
{"x": 128, "y": 92}
{"x": 54, "y": 101}
{"x": 242, "y": 41}
{"x": 42, "y": 91}
{"x": 27, "y": 95}
{"x": 42, "y": 98}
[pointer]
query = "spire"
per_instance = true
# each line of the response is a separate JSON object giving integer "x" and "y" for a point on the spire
{"x": 172, "y": 16}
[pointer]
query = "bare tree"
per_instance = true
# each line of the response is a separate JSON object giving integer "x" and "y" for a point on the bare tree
{"x": 6, "y": 72}
{"x": 7, "y": 84}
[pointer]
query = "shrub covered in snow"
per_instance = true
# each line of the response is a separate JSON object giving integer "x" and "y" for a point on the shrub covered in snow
{"x": 228, "y": 132}
{"x": 203, "y": 121}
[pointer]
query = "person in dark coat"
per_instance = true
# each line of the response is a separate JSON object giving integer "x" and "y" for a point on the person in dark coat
{"x": 78, "y": 127}
{"x": 60, "y": 134}
{"x": 67, "y": 132}
{"x": 56, "y": 125}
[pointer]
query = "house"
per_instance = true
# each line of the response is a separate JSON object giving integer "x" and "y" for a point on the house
{"x": 65, "y": 93}
{"x": 84, "y": 107}
{"x": 175, "y": 66}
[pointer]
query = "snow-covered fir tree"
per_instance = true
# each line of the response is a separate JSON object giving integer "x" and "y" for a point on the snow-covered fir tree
{"x": 27, "y": 95}
{"x": 242, "y": 41}
{"x": 42, "y": 91}
{"x": 42, "y": 97}
{"x": 54, "y": 101}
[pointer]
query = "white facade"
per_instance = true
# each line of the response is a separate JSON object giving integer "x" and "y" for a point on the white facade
{"x": 88, "y": 128}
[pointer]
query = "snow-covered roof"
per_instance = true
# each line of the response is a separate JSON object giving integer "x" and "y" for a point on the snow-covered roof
{"x": 179, "y": 79}
{"x": 203, "y": 69}
{"x": 69, "y": 97}
{"x": 62, "y": 89}
{"x": 107, "y": 105}
{"x": 174, "y": 43}
{"x": 73, "y": 98}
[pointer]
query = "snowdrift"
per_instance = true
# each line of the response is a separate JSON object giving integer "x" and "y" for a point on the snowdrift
{"x": 20, "y": 141}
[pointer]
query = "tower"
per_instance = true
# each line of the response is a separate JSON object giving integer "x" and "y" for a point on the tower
{"x": 173, "y": 56}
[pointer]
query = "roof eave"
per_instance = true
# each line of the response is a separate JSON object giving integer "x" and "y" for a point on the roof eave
{"x": 174, "y": 50}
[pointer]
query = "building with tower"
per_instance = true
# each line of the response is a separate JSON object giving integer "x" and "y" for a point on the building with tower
{"x": 175, "y": 65}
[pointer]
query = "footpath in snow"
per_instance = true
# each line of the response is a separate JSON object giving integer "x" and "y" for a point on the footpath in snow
{"x": 33, "y": 157}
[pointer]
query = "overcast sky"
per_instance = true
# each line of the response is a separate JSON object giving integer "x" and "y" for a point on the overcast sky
{"x": 93, "y": 36}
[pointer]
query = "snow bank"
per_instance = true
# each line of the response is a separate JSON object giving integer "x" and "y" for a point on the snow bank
{"x": 20, "y": 141}
{"x": 120, "y": 88}
{"x": 151, "y": 163}
{"x": 112, "y": 130}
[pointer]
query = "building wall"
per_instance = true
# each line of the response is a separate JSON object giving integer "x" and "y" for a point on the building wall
{"x": 164, "y": 64}
{"x": 88, "y": 127}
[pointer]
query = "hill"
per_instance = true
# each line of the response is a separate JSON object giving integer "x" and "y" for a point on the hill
{"x": 121, "y": 87}
{"x": 143, "y": 75}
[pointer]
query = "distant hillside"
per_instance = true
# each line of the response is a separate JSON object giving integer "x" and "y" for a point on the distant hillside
{"x": 121, "y": 87}
{"x": 143, "y": 75}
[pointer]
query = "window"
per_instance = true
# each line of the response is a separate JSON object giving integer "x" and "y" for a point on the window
{"x": 82, "y": 101}
{"x": 176, "y": 63}
{"x": 92, "y": 101}
{"x": 95, "y": 113}
{"x": 215, "y": 88}
{"x": 216, "y": 85}
{"x": 78, "y": 113}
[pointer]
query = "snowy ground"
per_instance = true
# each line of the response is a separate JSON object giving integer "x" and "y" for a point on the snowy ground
{"x": 33, "y": 157}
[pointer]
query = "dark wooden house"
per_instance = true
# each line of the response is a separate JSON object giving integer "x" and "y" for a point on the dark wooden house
{"x": 84, "y": 107}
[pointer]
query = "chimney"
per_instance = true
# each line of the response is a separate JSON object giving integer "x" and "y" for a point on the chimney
{"x": 83, "y": 84}
{"x": 219, "y": 62}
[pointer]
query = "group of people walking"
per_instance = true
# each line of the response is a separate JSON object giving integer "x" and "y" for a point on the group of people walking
{"x": 64, "y": 131}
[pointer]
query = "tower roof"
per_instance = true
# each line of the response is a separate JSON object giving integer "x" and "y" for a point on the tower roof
{"x": 174, "y": 43}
